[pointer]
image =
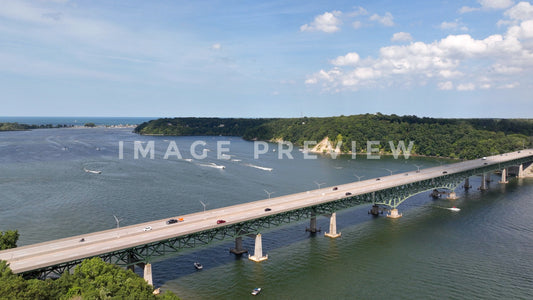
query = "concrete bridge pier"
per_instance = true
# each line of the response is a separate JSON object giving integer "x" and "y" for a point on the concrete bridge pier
{"x": 483, "y": 186}
{"x": 333, "y": 227}
{"x": 312, "y": 224}
{"x": 504, "y": 176}
{"x": 394, "y": 214}
{"x": 148, "y": 274}
{"x": 521, "y": 171}
{"x": 238, "y": 247}
{"x": 467, "y": 184}
{"x": 258, "y": 251}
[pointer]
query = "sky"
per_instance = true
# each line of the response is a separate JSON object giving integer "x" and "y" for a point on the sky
{"x": 133, "y": 58}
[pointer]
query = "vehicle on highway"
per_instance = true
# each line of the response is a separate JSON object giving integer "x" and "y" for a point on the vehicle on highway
{"x": 348, "y": 193}
{"x": 268, "y": 209}
{"x": 378, "y": 179}
{"x": 180, "y": 219}
{"x": 172, "y": 221}
{"x": 335, "y": 188}
{"x": 445, "y": 172}
{"x": 484, "y": 158}
{"x": 82, "y": 240}
{"x": 221, "y": 221}
{"x": 147, "y": 228}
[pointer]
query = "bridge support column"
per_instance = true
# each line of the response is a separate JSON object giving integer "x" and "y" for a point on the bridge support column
{"x": 238, "y": 247}
{"x": 333, "y": 227}
{"x": 467, "y": 183}
{"x": 394, "y": 214}
{"x": 504, "y": 176}
{"x": 452, "y": 196}
{"x": 258, "y": 251}
{"x": 483, "y": 182}
{"x": 312, "y": 224}
{"x": 148, "y": 274}
{"x": 521, "y": 171}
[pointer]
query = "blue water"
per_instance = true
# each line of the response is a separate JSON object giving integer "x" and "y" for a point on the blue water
{"x": 76, "y": 121}
{"x": 482, "y": 252}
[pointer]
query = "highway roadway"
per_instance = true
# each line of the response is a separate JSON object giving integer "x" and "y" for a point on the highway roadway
{"x": 54, "y": 252}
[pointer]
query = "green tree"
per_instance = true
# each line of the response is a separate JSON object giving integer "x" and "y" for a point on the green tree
{"x": 90, "y": 124}
{"x": 8, "y": 239}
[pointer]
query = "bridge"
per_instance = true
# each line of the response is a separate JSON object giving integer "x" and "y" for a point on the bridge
{"x": 142, "y": 244}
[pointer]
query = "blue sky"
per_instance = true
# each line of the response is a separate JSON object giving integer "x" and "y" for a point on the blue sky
{"x": 266, "y": 58}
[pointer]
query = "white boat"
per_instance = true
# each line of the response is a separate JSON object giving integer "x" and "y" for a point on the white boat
{"x": 256, "y": 291}
{"x": 454, "y": 209}
{"x": 198, "y": 265}
{"x": 213, "y": 165}
{"x": 93, "y": 171}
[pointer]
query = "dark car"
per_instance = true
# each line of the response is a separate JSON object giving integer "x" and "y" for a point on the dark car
{"x": 221, "y": 221}
{"x": 172, "y": 221}
{"x": 335, "y": 188}
{"x": 378, "y": 179}
{"x": 348, "y": 193}
{"x": 268, "y": 209}
{"x": 445, "y": 172}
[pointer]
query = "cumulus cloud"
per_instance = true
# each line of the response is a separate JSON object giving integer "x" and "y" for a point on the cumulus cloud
{"x": 347, "y": 60}
{"x": 357, "y": 24}
{"x": 445, "y": 86}
{"x": 458, "y": 62}
{"x": 327, "y": 22}
{"x": 386, "y": 20}
{"x": 216, "y": 46}
{"x": 466, "y": 87}
{"x": 401, "y": 37}
{"x": 487, "y": 4}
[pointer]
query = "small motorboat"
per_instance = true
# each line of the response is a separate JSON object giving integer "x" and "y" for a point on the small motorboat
{"x": 198, "y": 265}
{"x": 256, "y": 291}
{"x": 92, "y": 171}
{"x": 454, "y": 209}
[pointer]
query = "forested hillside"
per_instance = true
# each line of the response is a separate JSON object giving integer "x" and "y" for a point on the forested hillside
{"x": 455, "y": 138}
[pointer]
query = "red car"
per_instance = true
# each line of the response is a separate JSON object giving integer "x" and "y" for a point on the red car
{"x": 221, "y": 221}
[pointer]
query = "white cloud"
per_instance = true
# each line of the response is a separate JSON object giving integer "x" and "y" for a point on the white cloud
{"x": 445, "y": 86}
{"x": 327, "y": 22}
{"x": 509, "y": 85}
{"x": 347, "y": 60}
{"x": 401, "y": 37}
{"x": 358, "y": 11}
{"x": 471, "y": 63}
{"x": 357, "y": 24}
{"x": 386, "y": 20}
{"x": 466, "y": 87}
{"x": 487, "y": 5}
{"x": 495, "y": 4}
{"x": 522, "y": 11}
{"x": 216, "y": 46}
{"x": 455, "y": 25}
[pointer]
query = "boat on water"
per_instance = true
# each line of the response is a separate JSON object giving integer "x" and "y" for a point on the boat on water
{"x": 454, "y": 209}
{"x": 198, "y": 265}
{"x": 256, "y": 291}
{"x": 92, "y": 171}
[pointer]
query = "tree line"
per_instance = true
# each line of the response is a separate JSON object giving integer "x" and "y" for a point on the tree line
{"x": 92, "y": 279}
{"x": 453, "y": 138}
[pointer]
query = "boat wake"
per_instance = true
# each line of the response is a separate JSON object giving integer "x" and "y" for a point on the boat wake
{"x": 259, "y": 167}
{"x": 213, "y": 165}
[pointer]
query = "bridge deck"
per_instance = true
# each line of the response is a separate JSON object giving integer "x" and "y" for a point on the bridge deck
{"x": 40, "y": 255}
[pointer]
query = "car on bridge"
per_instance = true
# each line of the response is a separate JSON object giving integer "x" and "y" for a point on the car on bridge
{"x": 221, "y": 221}
{"x": 172, "y": 221}
{"x": 147, "y": 228}
{"x": 348, "y": 193}
{"x": 268, "y": 209}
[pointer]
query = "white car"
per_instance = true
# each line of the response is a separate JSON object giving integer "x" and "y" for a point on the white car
{"x": 147, "y": 228}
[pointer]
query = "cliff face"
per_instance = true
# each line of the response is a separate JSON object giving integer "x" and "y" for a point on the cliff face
{"x": 325, "y": 146}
